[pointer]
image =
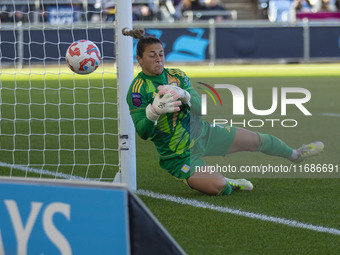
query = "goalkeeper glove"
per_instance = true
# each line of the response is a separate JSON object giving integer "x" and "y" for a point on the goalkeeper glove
{"x": 183, "y": 94}
{"x": 163, "y": 103}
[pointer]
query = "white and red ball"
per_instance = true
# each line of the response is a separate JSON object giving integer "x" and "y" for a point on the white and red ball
{"x": 83, "y": 57}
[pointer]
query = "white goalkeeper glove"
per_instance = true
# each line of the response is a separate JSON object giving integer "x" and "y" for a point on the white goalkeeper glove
{"x": 183, "y": 94}
{"x": 164, "y": 102}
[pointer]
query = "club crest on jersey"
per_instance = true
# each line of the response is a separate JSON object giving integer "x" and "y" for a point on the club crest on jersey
{"x": 185, "y": 168}
{"x": 136, "y": 99}
{"x": 174, "y": 84}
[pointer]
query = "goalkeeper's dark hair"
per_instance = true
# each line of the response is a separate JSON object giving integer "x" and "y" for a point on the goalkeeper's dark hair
{"x": 138, "y": 33}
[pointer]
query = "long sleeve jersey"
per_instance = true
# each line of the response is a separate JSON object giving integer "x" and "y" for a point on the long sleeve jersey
{"x": 174, "y": 133}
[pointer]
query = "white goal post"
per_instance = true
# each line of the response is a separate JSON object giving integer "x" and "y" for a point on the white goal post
{"x": 124, "y": 77}
{"x": 54, "y": 123}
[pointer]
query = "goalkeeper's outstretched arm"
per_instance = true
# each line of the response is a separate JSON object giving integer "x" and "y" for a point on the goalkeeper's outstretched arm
{"x": 145, "y": 128}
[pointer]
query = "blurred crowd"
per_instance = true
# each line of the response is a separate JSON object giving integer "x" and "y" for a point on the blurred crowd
{"x": 154, "y": 10}
{"x": 142, "y": 10}
{"x": 282, "y": 10}
{"x": 318, "y": 5}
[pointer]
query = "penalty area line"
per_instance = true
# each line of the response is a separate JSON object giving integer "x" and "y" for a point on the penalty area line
{"x": 258, "y": 216}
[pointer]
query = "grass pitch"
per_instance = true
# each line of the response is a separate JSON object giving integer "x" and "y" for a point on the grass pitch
{"x": 72, "y": 118}
{"x": 303, "y": 198}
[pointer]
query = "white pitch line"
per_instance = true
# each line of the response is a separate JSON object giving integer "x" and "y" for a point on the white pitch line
{"x": 262, "y": 217}
{"x": 330, "y": 114}
{"x": 191, "y": 202}
{"x": 41, "y": 171}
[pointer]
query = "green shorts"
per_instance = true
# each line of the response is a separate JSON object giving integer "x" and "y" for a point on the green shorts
{"x": 214, "y": 141}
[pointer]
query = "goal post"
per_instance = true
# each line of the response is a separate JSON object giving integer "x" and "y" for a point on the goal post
{"x": 55, "y": 123}
{"x": 124, "y": 56}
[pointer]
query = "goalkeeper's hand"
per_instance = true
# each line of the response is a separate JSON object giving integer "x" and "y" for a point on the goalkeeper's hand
{"x": 183, "y": 94}
{"x": 164, "y": 102}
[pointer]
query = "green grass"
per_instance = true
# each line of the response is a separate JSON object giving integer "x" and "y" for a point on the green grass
{"x": 297, "y": 197}
{"x": 303, "y": 198}
{"x": 57, "y": 124}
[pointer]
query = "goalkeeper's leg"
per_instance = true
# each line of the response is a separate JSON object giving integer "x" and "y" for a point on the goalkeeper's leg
{"x": 246, "y": 140}
{"x": 213, "y": 183}
{"x": 210, "y": 183}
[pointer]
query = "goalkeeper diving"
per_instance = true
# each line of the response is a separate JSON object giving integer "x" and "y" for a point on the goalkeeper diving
{"x": 166, "y": 109}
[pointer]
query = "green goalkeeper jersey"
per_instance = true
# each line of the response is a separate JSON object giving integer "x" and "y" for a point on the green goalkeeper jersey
{"x": 174, "y": 133}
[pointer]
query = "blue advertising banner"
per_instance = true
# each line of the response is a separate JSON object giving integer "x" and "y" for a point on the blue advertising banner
{"x": 324, "y": 42}
{"x": 259, "y": 42}
{"x": 8, "y": 47}
{"x": 181, "y": 44}
{"x": 37, "y": 50}
{"x": 61, "y": 219}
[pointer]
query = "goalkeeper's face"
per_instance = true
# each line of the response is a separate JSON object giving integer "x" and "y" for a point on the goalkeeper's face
{"x": 152, "y": 61}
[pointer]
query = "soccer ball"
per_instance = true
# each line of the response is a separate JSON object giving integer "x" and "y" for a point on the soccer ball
{"x": 83, "y": 57}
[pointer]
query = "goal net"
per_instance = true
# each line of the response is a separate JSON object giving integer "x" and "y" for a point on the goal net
{"x": 55, "y": 123}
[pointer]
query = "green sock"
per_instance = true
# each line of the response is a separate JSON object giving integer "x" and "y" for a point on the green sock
{"x": 272, "y": 145}
{"x": 226, "y": 190}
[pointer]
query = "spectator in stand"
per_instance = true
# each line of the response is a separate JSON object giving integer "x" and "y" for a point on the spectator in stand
{"x": 323, "y": 5}
{"x": 304, "y": 6}
{"x": 142, "y": 13}
{"x": 328, "y": 5}
{"x": 109, "y": 10}
{"x": 146, "y": 11}
{"x": 192, "y": 5}
{"x": 3, "y": 13}
{"x": 214, "y": 5}
{"x": 178, "y": 7}
{"x": 92, "y": 12}
{"x": 17, "y": 13}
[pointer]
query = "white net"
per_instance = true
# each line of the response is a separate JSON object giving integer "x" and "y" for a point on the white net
{"x": 55, "y": 123}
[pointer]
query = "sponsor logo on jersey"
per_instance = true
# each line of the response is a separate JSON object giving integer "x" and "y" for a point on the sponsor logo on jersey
{"x": 136, "y": 99}
{"x": 174, "y": 84}
{"x": 185, "y": 168}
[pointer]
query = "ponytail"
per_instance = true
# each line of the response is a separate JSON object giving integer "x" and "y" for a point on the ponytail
{"x": 135, "y": 33}
{"x": 144, "y": 41}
